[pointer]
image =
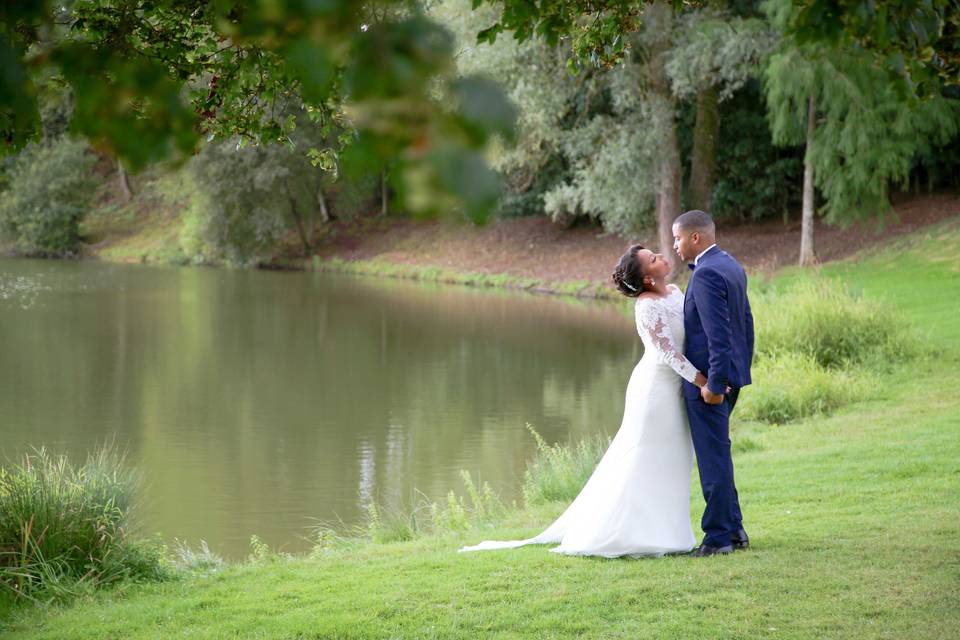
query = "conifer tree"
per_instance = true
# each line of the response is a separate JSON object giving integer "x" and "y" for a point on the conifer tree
{"x": 860, "y": 132}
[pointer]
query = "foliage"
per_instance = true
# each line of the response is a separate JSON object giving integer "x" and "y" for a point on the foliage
{"x": 597, "y": 29}
{"x": 713, "y": 48}
{"x": 63, "y": 527}
{"x": 50, "y": 191}
{"x": 587, "y": 143}
{"x": 201, "y": 560}
{"x": 917, "y": 41}
{"x": 867, "y": 133}
{"x": 819, "y": 347}
{"x": 131, "y": 63}
{"x": 536, "y": 81}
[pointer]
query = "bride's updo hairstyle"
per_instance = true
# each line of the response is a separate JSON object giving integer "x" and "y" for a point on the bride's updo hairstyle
{"x": 627, "y": 276}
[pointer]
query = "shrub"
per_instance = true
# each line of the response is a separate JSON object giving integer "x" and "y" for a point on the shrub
{"x": 63, "y": 526}
{"x": 559, "y": 472}
{"x": 51, "y": 189}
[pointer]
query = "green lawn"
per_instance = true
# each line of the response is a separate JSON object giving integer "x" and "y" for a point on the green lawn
{"x": 855, "y": 522}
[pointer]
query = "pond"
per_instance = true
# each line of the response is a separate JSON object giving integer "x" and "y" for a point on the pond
{"x": 262, "y": 403}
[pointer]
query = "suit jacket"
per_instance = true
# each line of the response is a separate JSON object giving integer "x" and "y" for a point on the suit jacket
{"x": 718, "y": 323}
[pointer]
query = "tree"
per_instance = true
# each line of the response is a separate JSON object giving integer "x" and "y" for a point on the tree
{"x": 714, "y": 55}
{"x": 860, "y": 132}
{"x": 245, "y": 197}
{"x": 50, "y": 191}
{"x": 656, "y": 55}
{"x": 130, "y": 61}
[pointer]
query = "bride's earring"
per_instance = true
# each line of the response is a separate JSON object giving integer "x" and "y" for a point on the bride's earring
{"x": 653, "y": 282}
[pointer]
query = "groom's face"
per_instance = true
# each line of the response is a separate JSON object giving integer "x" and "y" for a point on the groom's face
{"x": 683, "y": 243}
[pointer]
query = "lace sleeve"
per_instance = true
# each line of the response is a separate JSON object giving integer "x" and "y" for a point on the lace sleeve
{"x": 651, "y": 323}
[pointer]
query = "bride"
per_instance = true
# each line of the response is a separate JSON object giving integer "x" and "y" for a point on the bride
{"x": 637, "y": 502}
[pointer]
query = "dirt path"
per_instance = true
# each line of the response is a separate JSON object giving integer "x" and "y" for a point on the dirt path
{"x": 537, "y": 248}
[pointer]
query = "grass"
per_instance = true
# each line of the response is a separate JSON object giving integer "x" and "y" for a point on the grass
{"x": 146, "y": 229}
{"x": 853, "y": 519}
{"x": 854, "y": 526}
{"x": 918, "y": 276}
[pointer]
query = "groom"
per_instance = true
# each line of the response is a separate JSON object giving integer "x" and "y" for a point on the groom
{"x": 719, "y": 330}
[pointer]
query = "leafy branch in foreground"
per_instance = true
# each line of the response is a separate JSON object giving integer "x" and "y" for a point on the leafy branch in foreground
{"x": 150, "y": 78}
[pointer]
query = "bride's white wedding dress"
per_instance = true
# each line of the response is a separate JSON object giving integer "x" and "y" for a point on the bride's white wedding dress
{"x": 637, "y": 502}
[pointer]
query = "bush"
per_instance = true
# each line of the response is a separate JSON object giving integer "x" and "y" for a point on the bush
{"x": 63, "y": 528}
{"x": 51, "y": 188}
{"x": 559, "y": 472}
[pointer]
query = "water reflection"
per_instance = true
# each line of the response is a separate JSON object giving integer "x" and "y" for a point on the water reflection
{"x": 255, "y": 401}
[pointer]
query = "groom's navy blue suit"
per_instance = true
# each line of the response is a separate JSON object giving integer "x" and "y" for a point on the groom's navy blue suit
{"x": 719, "y": 336}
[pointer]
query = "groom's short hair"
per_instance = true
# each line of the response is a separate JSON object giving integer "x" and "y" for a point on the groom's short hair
{"x": 696, "y": 220}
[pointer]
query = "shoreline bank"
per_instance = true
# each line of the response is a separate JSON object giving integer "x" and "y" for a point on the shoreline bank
{"x": 524, "y": 254}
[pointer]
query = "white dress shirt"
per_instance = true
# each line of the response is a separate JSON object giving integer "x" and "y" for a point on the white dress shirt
{"x": 700, "y": 255}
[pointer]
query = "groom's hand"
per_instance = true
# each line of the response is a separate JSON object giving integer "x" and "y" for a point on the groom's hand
{"x": 710, "y": 397}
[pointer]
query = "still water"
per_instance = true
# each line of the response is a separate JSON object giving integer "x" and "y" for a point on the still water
{"x": 263, "y": 402}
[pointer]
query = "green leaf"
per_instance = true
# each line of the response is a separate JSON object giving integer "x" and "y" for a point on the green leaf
{"x": 19, "y": 117}
{"x": 311, "y": 65}
{"x": 484, "y": 103}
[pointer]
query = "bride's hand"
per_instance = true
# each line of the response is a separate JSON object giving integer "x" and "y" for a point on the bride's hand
{"x": 709, "y": 397}
{"x": 700, "y": 380}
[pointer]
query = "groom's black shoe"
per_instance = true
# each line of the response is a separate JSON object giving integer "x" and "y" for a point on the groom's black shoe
{"x": 705, "y": 550}
{"x": 739, "y": 540}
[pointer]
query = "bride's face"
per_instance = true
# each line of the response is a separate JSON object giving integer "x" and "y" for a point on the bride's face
{"x": 653, "y": 264}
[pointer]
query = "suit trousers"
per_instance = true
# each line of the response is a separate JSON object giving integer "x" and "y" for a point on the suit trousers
{"x": 710, "y": 429}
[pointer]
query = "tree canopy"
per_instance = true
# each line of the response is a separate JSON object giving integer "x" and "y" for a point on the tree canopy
{"x": 151, "y": 77}
{"x": 916, "y": 40}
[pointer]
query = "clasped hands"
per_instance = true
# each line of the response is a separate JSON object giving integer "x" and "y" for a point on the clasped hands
{"x": 708, "y": 396}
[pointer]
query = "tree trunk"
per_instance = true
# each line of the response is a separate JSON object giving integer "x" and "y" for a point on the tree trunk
{"x": 298, "y": 220}
{"x": 124, "y": 180}
{"x": 322, "y": 201}
{"x": 668, "y": 167}
{"x": 383, "y": 193}
{"x": 704, "y": 161}
{"x": 807, "y": 254}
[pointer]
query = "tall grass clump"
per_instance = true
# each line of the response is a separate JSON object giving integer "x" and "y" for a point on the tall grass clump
{"x": 481, "y": 506}
{"x": 791, "y": 386}
{"x": 65, "y": 528}
{"x": 818, "y": 347}
{"x": 821, "y": 318}
{"x": 559, "y": 472}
